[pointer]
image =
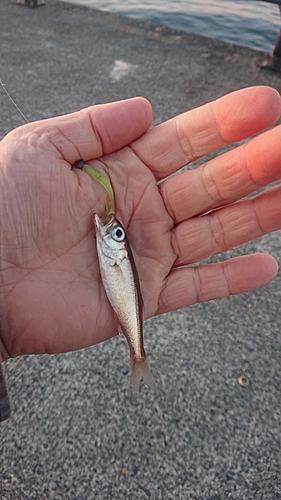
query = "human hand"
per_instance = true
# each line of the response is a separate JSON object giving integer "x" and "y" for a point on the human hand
{"x": 51, "y": 296}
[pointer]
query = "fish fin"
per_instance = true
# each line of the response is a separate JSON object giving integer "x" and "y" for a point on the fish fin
{"x": 140, "y": 371}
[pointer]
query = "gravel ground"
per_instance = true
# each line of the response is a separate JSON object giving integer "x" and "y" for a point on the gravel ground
{"x": 77, "y": 432}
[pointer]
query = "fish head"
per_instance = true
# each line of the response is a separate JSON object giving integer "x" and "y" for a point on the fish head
{"x": 111, "y": 232}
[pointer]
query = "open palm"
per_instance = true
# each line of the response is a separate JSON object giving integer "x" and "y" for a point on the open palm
{"x": 51, "y": 295}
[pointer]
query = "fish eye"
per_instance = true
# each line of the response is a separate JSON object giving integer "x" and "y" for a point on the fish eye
{"x": 118, "y": 234}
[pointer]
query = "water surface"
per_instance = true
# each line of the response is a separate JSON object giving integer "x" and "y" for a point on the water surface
{"x": 251, "y": 23}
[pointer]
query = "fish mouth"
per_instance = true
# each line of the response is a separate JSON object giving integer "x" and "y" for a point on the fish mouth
{"x": 103, "y": 224}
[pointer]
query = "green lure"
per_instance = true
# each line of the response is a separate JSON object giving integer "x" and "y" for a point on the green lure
{"x": 103, "y": 181}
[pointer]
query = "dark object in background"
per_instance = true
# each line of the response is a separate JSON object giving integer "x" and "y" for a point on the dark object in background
{"x": 5, "y": 408}
{"x": 31, "y": 3}
{"x": 274, "y": 60}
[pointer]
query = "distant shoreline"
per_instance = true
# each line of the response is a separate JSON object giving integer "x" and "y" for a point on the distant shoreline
{"x": 255, "y": 27}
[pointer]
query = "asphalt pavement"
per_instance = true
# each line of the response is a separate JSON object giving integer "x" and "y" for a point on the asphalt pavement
{"x": 77, "y": 432}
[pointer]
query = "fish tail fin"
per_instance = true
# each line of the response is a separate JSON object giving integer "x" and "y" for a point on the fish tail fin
{"x": 140, "y": 371}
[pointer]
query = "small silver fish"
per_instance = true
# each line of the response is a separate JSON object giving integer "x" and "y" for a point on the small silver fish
{"x": 121, "y": 283}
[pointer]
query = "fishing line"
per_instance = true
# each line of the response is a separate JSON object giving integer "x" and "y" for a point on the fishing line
{"x": 91, "y": 171}
{"x": 12, "y": 100}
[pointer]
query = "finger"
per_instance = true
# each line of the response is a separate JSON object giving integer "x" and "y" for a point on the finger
{"x": 187, "y": 286}
{"x": 223, "y": 229}
{"x": 94, "y": 131}
{"x": 225, "y": 179}
{"x": 177, "y": 142}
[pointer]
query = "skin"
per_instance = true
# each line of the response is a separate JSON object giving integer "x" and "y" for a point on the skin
{"x": 51, "y": 296}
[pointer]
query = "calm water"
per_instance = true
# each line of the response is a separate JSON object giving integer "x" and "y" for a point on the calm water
{"x": 246, "y": 22}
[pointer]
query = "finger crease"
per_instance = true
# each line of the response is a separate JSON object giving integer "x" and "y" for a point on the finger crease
{"x": 185, "y": 143}
{"x": 198, "y": 287}
{"x": 217, "y": 232}
{"x": 168, "y": 206}
{"x": 225, "y": 280}
{"x": 255, "y": 205}
{"x": 209, "y": 184}
{"x": 98, "y": 137}
{"x": 247, "y": 168}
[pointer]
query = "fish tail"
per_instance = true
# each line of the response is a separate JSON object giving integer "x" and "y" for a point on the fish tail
{"x": 140, "y": 371}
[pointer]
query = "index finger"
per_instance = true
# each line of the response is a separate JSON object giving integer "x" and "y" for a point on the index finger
{"x": 179, "y": 141}
{"x": 91, "y": 132}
